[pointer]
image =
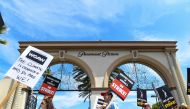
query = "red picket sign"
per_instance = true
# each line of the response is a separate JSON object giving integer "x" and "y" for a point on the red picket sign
{"x": 120, "y": 89}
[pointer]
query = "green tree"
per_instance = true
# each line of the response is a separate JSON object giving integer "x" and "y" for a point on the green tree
{"x": 157, "y": 105}
{"x": 84, "y": 81}
{"x": 2, "y": 30}
{"x": 4, "y": 42}
{"x": 47, "y": 72}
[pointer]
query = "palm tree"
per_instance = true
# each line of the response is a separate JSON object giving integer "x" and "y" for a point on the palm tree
{"x": 157, "y": 105}
{"x": 84, "y": 81}
{"x": 2, "y": 30}
{"x": 4, "y": 42}
{"x": 47, "y": 72}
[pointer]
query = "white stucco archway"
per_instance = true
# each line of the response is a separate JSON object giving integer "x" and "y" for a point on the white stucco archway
{"x": 99, "y": 58}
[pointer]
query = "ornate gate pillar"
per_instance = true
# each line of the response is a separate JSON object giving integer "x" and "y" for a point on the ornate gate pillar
{"x": 175, "y": 78}
{"x": 182, "y": 82}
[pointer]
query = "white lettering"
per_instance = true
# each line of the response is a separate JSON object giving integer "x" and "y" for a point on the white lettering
{"x": 115, "y": 86}
{"x": 47, "y": 90}
{"x": 36, "y": 57}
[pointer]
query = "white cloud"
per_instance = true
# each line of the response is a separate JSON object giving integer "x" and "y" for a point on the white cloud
{"x": 57, "y": 17}
{"x": 183, "y": 53}
{"x": 183, "y": 45}
{"x": 64, "y": 100}
{"x": 82, "y": 18}
{"x": 105, "y": 9}
{"x": 69, "y": 100}
{"x": 9, "y": 52}
{"x": 139, "y": 35}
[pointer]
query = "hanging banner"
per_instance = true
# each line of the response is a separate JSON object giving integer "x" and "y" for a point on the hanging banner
{"x": 30, "y": 66}
{"x": 188, "y": 81}
{"x": 166, "y": 97}
{"x": 49, "y": 86}
{"x": 122, "y": 85}
{"x": 141, "y": 97}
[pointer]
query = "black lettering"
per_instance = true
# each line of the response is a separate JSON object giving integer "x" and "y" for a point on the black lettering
{"x": 22, "y": 60}
{"x": 23, "y": 79}
{"x": 16, "y": 69}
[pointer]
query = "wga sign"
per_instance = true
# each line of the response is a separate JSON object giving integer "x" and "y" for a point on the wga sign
{"x": 36, "y": 57}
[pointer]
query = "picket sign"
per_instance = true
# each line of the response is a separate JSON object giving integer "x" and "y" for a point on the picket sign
{"x": 113, "y": 99}
{"x": 188, "y": 81}
{"x": 27, "y": 69}
{"x": 49, "y": 86}
{"x": 99, "y": 102}
{"x": 122, "y": 85}
{"x": 141, "y": 97}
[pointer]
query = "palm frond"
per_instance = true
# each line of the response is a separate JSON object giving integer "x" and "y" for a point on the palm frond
{"x": 4, "y": 42}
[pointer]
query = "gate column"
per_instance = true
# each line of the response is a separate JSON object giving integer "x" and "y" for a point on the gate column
{"x": 173, "y": 72}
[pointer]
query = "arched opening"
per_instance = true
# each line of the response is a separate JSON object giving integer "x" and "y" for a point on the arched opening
{"x": 74, "y": 90}
{"x": 148, "y": 61}
{"x": 144, "y": 77}
{"x": 143, "y": 71}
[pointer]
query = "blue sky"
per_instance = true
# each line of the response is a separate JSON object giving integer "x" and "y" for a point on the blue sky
{"x": 128, "y": 20}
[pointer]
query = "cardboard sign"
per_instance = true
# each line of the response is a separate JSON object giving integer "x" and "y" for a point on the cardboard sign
{"x": 188, "y": 81}
{"x": 49, "y": 86}
{"x": 29, "y": 67}
{"x": 166, "y": 97}
{"x": 122, "y": 77}
{"x": 100, "y": 103}
{"x": 122, "y": 85}
{"x": 141, "y": 97}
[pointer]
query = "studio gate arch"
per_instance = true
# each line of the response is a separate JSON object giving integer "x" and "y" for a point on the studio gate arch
{"x": 99, "y": 58}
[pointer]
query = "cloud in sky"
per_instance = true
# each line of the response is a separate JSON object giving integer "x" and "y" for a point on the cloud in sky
{"x": 69, "y": 100}
{"x": 60, "y": 18}
{"x": 83, "y": 18}
{"x": 66, "y": 100}
{"x": 9, "y": 52}
{"x": 182, "y": 43}
{"x": 131, "y": 100}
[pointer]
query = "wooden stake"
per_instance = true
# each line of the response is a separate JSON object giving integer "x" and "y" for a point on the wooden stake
{"x": 5, "y": 100}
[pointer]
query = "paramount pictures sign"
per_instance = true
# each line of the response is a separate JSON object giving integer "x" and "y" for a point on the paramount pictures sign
{"x": 101, "y": 53}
